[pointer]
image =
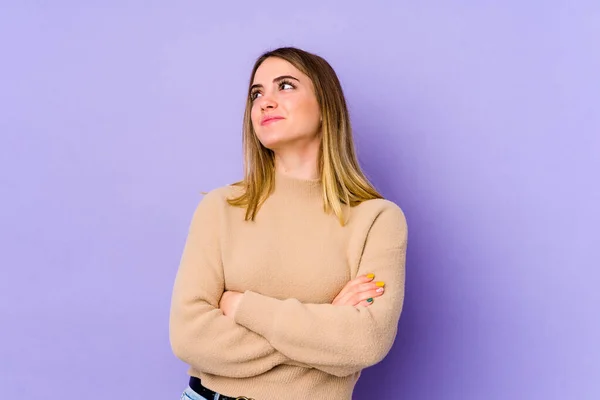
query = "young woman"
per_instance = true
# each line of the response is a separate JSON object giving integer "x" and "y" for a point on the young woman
{"x": 292, "y": 280}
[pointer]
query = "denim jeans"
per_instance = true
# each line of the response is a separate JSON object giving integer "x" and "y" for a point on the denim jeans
{"x": 189, "y": 394}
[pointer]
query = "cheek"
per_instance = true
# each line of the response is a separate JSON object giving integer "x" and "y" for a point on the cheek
{"x": 310, "y": 115}
{"x": 255, "y": 116}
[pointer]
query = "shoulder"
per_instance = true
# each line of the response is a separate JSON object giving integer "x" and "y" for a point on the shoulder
{"x": 385, "y": 223}
{"x": 380, "y": 223}
{"x": 380, "y": 218}
{"x": 215, "y": 200}
{"x": 380, "y": 209}
{"x": 223, "y": 193}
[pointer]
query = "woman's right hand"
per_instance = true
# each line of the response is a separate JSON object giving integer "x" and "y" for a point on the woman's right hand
{"x": 359, "y": 292}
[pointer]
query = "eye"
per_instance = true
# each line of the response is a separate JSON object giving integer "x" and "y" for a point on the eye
{"x": 286, "y": 85}
{"x": 254, "y": 95}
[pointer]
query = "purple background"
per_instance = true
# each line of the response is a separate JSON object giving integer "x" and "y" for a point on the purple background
{"x": 480, "y": 120}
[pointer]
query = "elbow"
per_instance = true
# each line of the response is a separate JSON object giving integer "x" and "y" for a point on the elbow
{"x": 178, "y": 346}
{"x": 178, "y": 350}
{"x": 373, "y": 351}
{"x": 377, "y": 354}
{"x": 181, "y": 344}
{"x": 366, "y": 355}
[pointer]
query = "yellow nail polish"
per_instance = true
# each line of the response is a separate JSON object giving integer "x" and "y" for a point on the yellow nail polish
{"x": 380, "y": 284}
{"x": 370, "y": 276}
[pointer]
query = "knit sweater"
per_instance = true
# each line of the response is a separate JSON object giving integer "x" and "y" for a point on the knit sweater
{"x": 286, "y": 341}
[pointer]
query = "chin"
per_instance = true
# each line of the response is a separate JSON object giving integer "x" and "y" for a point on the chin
{"x": 271, "y": 142}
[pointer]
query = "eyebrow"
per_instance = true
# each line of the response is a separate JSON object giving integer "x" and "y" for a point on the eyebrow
{"x": 279, "y": 78}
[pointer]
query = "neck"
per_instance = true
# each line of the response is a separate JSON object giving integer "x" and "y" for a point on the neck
{"x": 299, "y": 164}
{"x": 293, "y": 187}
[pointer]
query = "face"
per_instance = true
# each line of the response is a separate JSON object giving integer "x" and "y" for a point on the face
{"x": 285, "y": 111}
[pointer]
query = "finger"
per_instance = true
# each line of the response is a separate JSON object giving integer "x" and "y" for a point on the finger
{"x": 356, "y": 281}
{"x": 369, "y": 301}
{"x": 358, "y": 293}
{"x": 348, "y": 299}
{"x": 353, "y": 291}
{"x": 364, "y": 296}
{"x": 365, "y": 287}
{"x": 365, "y": 303}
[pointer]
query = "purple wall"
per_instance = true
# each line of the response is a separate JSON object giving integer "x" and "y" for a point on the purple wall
{"x": 482, "y": 121}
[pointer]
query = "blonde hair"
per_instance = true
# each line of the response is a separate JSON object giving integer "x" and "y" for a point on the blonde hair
{"x": 342, "y": 179}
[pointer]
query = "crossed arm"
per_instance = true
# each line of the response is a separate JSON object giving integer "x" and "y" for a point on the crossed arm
{"x": 246, "y": 334}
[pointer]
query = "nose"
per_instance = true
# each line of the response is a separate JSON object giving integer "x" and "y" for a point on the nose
{"x": 267, "y": 102}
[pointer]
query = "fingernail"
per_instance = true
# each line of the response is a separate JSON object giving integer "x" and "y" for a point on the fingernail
{"x": 370, "y": 299}
{"x": 370, "y": 276}
{"x": 380, "y": 284}
{"x": 379, "y": 290}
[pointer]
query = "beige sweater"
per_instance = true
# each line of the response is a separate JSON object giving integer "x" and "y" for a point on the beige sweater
{"x": 287, "y": 341}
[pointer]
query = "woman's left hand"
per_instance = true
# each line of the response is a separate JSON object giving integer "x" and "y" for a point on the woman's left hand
{"x": 230, "y": 302}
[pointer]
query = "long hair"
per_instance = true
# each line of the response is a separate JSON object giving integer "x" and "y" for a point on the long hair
{"x": 342, "y": 179}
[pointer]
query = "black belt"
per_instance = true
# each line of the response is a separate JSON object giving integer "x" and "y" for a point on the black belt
{"x": 197, "y": 386}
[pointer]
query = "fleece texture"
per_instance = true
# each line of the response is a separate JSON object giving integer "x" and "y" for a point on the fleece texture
{"x": 286, "y": 341}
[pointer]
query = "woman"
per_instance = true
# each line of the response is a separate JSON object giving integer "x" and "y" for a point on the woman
{"x": 280, "y": 290}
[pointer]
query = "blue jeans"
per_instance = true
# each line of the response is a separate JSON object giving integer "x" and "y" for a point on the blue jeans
{"x": 189, "y": 394}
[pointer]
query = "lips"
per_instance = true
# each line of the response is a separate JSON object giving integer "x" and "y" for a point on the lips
{"x": 268, "y": 119}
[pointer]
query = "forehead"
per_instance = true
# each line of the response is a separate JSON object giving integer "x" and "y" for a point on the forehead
{"x": 274, "y": 67}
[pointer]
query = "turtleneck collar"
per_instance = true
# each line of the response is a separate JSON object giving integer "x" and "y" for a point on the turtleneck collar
{"x": 286, "y": 185}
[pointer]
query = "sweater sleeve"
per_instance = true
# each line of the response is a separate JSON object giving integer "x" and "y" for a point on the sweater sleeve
{"x": 340, "y": 340}
{"x": 199, "y": 333}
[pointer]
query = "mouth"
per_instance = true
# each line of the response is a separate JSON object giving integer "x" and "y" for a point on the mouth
{"x": 270, "y": 120}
